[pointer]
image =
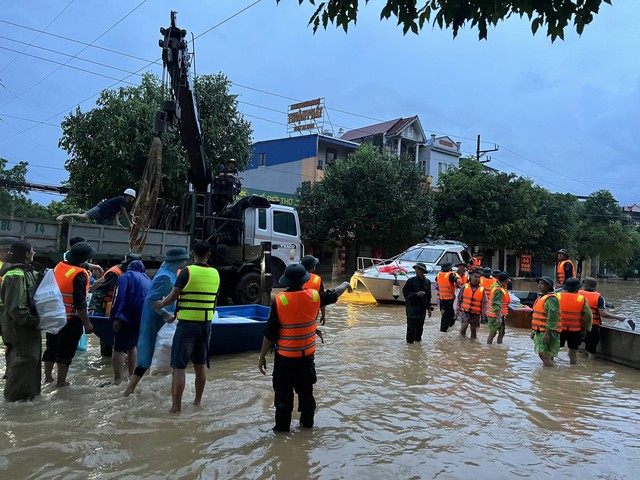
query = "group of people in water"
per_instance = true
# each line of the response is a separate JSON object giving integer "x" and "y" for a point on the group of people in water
{"x": 566, "y": 312}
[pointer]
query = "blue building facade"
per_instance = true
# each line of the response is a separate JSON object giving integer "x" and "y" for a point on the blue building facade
{"x": 281, "y": 165}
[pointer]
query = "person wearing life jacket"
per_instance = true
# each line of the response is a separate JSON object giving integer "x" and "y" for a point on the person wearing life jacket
{"x": 309, "y": 262}
{"x": 596, "y": 304}
{"x": 73, "y": 281}
{"x": 499, "y": 300}
{"x": 20, "y": 325}
{"x": 152, "y": 318}
{"x": 546, "y": 323}
{"x": 461, "y": 273}
{"x": 477, "y": 261}
{"x": 472, "y": 305}
{"x": 196, "y": 291}
{"x": 565, "y": 268}
{"x": 446, "y": 283}
{"x": 292, "y": 329}
{"x": 576, "y": 317}
{"x": 102, "y": 294}
{"x": 417, "y": 302}
{"x": 487, "y": 280}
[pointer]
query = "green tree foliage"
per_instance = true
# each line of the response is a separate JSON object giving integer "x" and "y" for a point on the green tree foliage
{"x": 109, "y": 144}
{"x": 481, "y": 207}
{"x": 413, "y": 15}
{"x": 602, "y": 232}
{"x": 368, "y": 199}
{"x": 13, "y": 200}
{"x": 561, "y": 213}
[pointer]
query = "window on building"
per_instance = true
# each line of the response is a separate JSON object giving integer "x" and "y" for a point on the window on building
{"x": 263, "y": 159}
{"x": 262, "y": 219}
{"x": 284, "y": 222}
{"x": 443, "y": 167}
{"x": 320, "y": 163}
{"x": 331, "y": 155}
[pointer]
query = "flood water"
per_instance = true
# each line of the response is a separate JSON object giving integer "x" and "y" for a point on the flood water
{"x": 448, "y": 408}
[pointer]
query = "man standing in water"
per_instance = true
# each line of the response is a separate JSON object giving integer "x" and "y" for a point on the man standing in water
{"x": 546, "y": 323}
{"x": 152, "y": 320}
{"x": 196, "y": 291}
{"x": 417, "y": 300}
{"x": 292, "y": 328}
{"x": 498, "y": 308}
{"x": 472, "y": 305}
{"x": 446, "y": 282}
{"x": 565, "y": 268}
{"x": 576, "y": 317}
{"x": 596, "y": 304}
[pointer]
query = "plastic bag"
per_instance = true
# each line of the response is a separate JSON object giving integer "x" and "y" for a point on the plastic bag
{"x": 49, "y": 304}
{"x": 625, "y": 325}
{"x": 161, "y": 361}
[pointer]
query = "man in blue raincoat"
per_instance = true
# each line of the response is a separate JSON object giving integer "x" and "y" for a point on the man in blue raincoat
{"x": 152, "y": 320}
{"x": 129, "y": 293}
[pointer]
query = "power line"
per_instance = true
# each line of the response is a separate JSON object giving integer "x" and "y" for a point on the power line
{"x": 82, "y": 50}
{"x": 37, "y": 36}
{"x": 29, "y": 120}
{"x": 228, "y": 18}
{"x": 98, "y": 47}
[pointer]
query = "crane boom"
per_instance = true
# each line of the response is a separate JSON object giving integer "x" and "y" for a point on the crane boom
{"x": 180, "y": 111}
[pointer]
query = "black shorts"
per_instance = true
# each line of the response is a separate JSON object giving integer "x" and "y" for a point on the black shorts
{"x": 190, "y": 342}
{"x": 126, "y": 338}
{"x": 573, "y": 339}
{"x": 61, "y": 347}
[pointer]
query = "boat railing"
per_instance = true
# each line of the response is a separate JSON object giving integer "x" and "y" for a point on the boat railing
{"x": 368, "y": 262}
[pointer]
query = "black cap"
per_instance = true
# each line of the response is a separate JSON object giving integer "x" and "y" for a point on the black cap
{"x": 563, "y": 250}
{"x": 572, "y": 284}
{"x": 487, "y": 272}
{"x": 175, "y": 254}
{"x": 294, "y": 276}
{"x": 502, "y": 276}
{"x": 80, "y": 253}
{"x": 446, "y": 266}
{"x": 309, "y": 261}
{"x": 545, "y": 279}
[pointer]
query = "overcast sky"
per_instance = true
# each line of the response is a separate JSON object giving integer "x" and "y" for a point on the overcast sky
{"x": 563, "y": 114}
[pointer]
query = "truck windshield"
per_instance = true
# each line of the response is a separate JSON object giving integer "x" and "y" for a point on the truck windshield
{"x": 426, "y": 255}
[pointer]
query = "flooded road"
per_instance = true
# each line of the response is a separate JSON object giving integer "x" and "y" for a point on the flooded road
{"x": 448, "y": 408}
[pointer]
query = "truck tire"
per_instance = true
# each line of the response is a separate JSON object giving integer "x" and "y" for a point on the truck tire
{"x": 248, "y": 290}
{"x": 277, "y": 269}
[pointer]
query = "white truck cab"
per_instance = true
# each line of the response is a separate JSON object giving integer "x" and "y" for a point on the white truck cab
{"x": 279, "y": 225}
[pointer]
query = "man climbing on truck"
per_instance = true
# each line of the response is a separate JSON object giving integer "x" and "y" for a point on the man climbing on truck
{"x": 106, "y": 210}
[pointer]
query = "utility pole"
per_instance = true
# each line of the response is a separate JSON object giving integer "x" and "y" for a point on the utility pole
{"x": 480, "y": 153}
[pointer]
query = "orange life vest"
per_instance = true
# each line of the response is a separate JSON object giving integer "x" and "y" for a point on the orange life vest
{"x": 571, "y": 306}
{"x": 560, "y": 272}
{"x": 446, "y": 289}
{"x": 463, "y": 279}
{"x": 65, "y": 274}
{"x": 476, "y": 262}
{"x": 313, "y": 283}
{"x": 506, "y": 299}
{"x": 108, "y": 299}
{"x": 472, "y": 300}
{"x": 297, "y": 312}
{"x": 487, "y": 283}
{"x": 539, "y": 318}
{"x": 592, "y": 299}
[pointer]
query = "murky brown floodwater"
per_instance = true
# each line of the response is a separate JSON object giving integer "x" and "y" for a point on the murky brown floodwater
{"x": 447, "y": 408}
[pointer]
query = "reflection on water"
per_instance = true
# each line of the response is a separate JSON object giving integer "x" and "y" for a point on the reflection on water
{"x": 447, "y": 408}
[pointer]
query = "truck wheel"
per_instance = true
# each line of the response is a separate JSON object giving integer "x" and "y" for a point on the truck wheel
{"x": 248, "y": 290}
{"x": 277, "y": 269}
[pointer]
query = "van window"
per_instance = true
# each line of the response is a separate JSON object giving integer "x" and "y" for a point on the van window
{"x": 284, "y": 222}
{"x": 262, "y": 219}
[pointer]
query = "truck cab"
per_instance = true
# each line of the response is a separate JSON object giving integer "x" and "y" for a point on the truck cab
{"x": 279, "y": 225}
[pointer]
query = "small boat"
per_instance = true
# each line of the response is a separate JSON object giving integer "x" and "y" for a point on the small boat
{"x": 385, "y": 278}
{"x": 238, "y": 328}
{"x": 619, "y": 346}
{"x": 235, "y": 328}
